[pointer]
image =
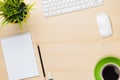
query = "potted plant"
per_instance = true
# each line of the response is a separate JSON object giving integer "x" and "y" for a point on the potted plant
{"x": 14, "y": 11}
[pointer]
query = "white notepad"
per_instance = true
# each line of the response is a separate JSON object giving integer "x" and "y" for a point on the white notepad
{"x": 19, "y": 56}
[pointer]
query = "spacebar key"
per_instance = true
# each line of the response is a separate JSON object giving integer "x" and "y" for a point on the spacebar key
{"x": 69, "y": 9}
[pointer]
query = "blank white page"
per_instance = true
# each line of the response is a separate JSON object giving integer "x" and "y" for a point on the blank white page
{"x": 19, "y": 56}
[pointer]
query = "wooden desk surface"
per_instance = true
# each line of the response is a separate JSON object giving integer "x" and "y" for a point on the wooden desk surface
{"x": 70, "y": 43}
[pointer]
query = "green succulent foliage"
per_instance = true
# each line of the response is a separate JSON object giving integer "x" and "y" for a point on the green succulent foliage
{"x": 14, "y": 11}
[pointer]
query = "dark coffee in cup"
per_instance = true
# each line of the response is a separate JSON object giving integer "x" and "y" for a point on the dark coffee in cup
{"x": 110, "y": 72}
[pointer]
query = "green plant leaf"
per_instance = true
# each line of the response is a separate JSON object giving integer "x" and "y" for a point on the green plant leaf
{"x": 30, "y": 6}
{"x": 14, "y": 11}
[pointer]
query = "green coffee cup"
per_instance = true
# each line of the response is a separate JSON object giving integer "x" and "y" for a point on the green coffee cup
{"x": 100, "y": 65}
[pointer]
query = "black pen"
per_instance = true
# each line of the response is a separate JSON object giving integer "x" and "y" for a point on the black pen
{"x": 41, "y": 61}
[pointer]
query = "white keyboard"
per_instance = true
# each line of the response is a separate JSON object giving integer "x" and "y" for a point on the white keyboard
{"x": 57, "y": 7}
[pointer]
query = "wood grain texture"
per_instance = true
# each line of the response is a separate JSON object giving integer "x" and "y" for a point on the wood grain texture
{"x": 70, "y": 43}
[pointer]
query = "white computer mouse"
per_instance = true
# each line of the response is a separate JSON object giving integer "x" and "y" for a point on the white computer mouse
{"x": 104, "y": 24}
